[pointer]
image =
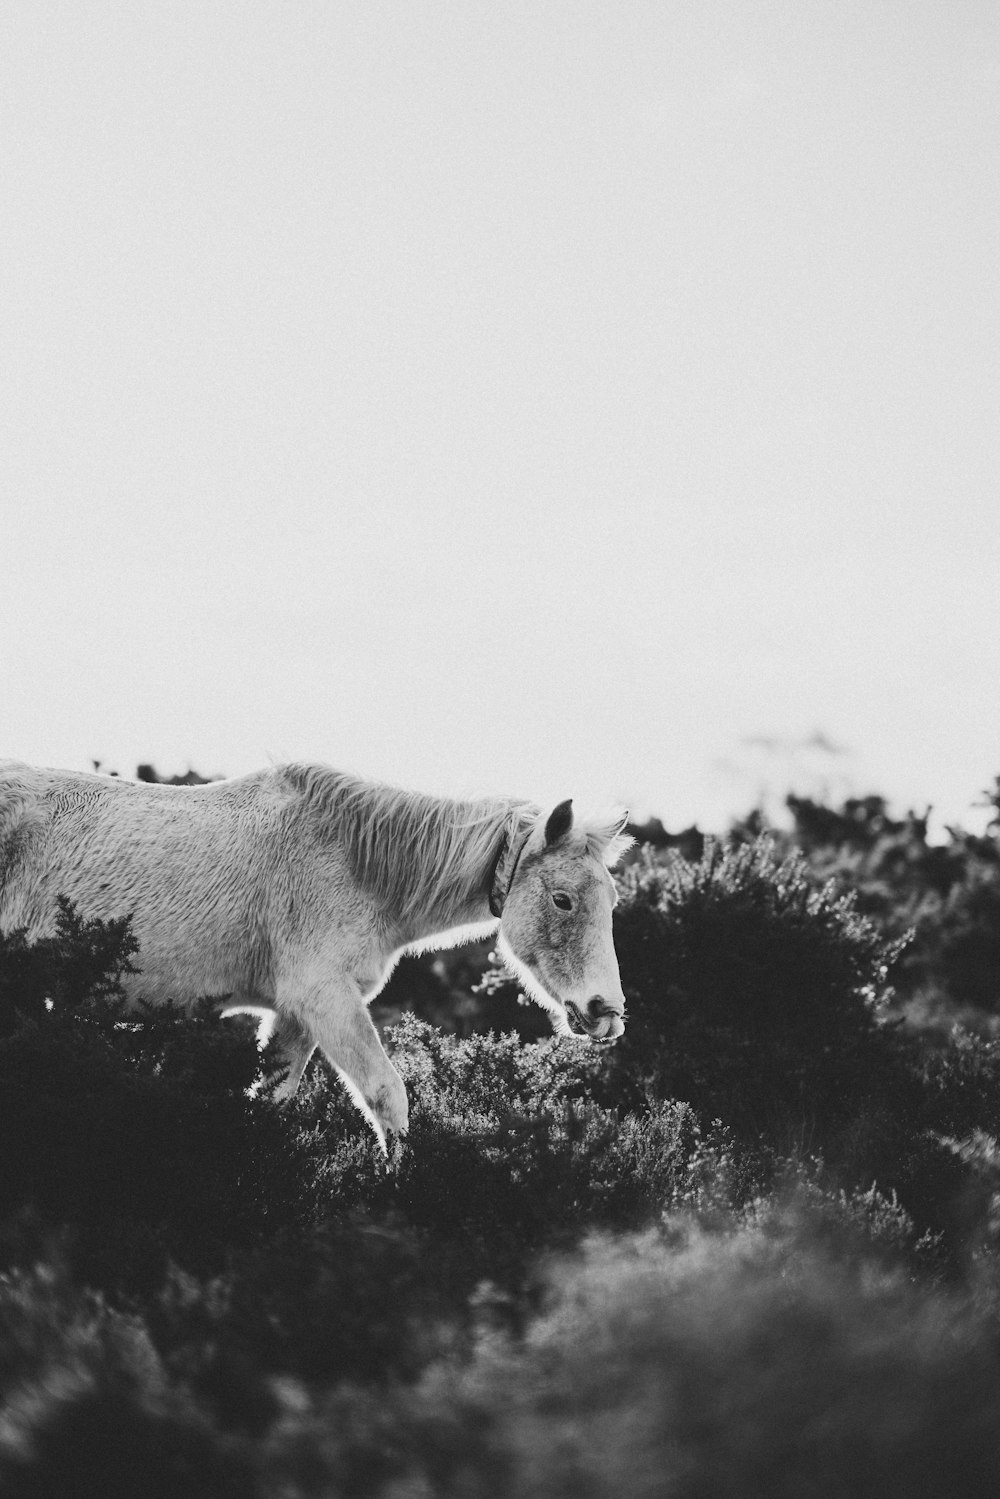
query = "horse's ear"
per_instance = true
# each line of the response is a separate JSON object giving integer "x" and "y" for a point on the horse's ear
{"x": 607, "y": 838}
{"x": 560, "y": 821}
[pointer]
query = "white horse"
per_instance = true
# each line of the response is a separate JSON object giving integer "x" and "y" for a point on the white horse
{"x": 293, "y": 891}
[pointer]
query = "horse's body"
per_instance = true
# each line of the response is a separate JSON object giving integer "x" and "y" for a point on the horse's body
{"x": 293, "y": 890}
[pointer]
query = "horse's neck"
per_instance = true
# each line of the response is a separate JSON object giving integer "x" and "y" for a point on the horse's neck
{"x": 451, "y": 904}
{"x": 448, "y": 932}
{"x": 454, "y": 914}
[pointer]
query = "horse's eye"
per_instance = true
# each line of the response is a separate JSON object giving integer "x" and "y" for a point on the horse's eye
{"x": 562, "y": 900}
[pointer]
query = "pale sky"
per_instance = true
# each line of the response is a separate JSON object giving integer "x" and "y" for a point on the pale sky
{"x": 558, "y": 399}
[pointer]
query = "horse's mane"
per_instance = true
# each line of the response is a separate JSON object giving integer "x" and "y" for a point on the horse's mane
{"x": 408, "y": 849}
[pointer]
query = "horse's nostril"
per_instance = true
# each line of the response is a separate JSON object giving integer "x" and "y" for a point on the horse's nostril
{"x": 597, "y": 1007}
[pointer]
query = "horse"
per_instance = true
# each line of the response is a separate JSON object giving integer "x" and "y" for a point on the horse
{"x": 292, "y": 892}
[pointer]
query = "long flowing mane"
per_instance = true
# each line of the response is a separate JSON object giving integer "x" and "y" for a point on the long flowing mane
{"x": 411, "y": 851}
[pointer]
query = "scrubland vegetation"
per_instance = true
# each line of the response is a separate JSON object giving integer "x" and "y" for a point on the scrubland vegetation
{"x": 752, "y": 1250}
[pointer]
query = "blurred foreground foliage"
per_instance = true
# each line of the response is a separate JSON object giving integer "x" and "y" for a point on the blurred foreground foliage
{"x": 755, "y": 1248}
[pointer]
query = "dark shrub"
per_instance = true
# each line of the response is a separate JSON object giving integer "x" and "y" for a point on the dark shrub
{"x": 777, "y": 1358}
{"x": 753, "y": 995}
{"x": 762, "y": 1362}
{"x": 89, "y": 1410}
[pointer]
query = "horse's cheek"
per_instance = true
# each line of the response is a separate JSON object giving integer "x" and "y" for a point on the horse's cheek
{"x": 556, "y": 941}
{"x": 526, "y": 931}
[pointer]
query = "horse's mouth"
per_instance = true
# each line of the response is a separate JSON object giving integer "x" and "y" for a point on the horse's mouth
{"x": 582, "y": 1027}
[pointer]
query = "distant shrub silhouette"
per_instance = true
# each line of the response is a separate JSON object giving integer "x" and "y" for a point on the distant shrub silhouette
{"x": 946, "y": 895}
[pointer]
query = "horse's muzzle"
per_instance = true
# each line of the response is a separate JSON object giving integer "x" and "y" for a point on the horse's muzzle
{"x": 600, "y": 1022}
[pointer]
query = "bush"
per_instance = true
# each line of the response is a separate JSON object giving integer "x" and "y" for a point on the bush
{"x": 756, "y": 1362}
{"x": 785, "y": 1355}
{"x": 751, "y": 994}
{"x": 90, "y": 1410}
{"x": 767, "y": 1359}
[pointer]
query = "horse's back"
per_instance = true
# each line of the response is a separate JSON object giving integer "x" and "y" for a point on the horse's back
{"x": 189, "y": 864}
{"x": 23, "y": 823}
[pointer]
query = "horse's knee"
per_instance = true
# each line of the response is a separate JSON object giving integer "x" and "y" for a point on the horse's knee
{"x": 390, "y": 1105}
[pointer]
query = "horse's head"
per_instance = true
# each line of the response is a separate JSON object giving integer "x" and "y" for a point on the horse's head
{"x": 555, "y": 921}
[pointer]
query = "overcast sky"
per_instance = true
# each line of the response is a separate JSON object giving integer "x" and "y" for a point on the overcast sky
{"x": 553, "y": 398}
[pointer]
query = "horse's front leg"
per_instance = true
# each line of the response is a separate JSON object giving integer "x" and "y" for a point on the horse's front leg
{"x": 293, "y": 1046}
{"x": 336, "y": 1019}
